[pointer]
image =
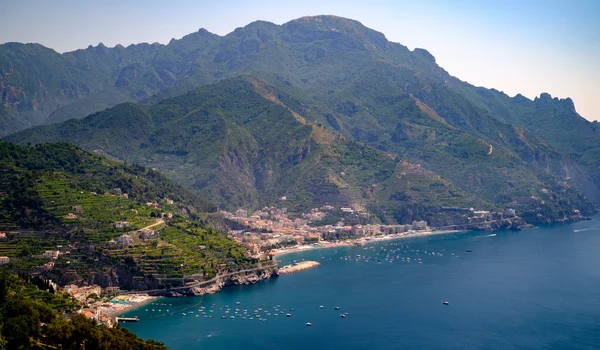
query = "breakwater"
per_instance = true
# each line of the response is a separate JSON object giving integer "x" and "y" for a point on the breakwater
{"x": 303, "y": 265}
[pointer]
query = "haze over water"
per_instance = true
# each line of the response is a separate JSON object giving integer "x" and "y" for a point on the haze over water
{"x": 538, "y": 288}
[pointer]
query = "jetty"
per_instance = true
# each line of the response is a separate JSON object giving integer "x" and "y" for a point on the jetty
{"x": 127, "y": 319}
{"x": 303, "y": 265}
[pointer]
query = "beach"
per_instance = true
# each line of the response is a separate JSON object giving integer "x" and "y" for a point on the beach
{"x": 123, "y": 303}
{"x": 360, "y": 241}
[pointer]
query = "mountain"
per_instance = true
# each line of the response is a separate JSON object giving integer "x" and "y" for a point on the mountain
{"x": 114, "y": 224}
{"x": 339, "y": 77}
{"x": 242, "y": 142}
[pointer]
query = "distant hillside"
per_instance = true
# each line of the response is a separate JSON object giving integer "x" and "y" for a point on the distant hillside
{"x": 93, "y": 210}
{"x": 342, "y": 79}
{"x": 242, "y": 142}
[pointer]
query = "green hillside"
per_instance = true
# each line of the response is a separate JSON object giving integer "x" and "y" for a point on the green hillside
{"x": 243, "y": 143}
{"x": 60, "y": 197}
{"x": 322, "y": 75}
{"x": 32, "y": 318}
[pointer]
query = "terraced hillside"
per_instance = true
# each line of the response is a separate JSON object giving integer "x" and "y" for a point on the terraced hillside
{"x": 112, "y": 223}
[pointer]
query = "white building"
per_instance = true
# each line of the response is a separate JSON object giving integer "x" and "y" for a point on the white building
{"x": 51, "y": 254}
{"x": 4, "y": 260}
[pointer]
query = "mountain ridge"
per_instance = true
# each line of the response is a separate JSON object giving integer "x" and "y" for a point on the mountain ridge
{"x": 342, "y": 77}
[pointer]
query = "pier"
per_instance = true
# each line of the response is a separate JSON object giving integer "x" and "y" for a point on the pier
{"x": 303, "y": 265}
{"x": 127, "y": 319}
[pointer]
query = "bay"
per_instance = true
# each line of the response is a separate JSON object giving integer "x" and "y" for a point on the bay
{"x": 533, "y": 289}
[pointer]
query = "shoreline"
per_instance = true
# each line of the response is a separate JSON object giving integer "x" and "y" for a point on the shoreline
{"x": 360, "y": 241}
{"x": 134, "y": 301}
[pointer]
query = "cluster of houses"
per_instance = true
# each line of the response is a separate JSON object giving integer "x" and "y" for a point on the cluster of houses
{"x": 271, "y": 227}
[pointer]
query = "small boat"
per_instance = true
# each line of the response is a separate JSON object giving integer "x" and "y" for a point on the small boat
{"x": 343, "y": 315}
{"x": 337, "y": 308}
{"x": 308, "y": 324}
{"x": 446, "y": 302}
{"x": 183, "y": 314}
{"x": 320, "y": 307}
{"x": 469, "y": 250}
{"x": 223, "y": 317}
{"x": 288, "y": 315}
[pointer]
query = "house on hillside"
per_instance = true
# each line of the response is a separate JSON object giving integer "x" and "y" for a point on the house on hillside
{"x": 121, "y": 224}
{"x": 147, "y": 233}
{"x": 124, "y": 240}
{"x": 51, "y": 254}
{"x": 4, "y": 260}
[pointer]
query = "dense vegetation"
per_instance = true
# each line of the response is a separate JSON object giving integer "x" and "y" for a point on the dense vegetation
{"x": 330, "y": 81}
{"x": 240, "y": 143}
{"x": 58, "y": 195}
{"x": 31, "y": 318}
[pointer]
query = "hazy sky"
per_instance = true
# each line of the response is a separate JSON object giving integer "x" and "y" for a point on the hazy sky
{"x": 516, "y": 46}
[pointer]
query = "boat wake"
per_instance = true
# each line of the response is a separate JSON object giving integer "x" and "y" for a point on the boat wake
{"x": 492, "y": 235}
{"x": 583, "y": 229}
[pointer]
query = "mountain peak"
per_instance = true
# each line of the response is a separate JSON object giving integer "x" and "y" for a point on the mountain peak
{"x": 329, "y": 22}
{"x": 424, "y": 54}
{"x": 306, "y": 29}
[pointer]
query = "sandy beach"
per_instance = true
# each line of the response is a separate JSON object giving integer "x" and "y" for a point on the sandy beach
{"x": 123, "y": 303}
{"x": 360, "y": 241}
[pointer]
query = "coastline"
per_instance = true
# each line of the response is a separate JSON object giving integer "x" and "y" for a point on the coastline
{"x": 360, "y": 241}
{"x": 125, "y": 303}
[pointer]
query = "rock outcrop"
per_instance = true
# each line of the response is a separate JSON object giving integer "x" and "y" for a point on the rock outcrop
{"x": 219, "y": 283}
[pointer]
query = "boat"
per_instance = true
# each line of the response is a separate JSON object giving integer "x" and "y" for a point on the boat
{"x": 320, "y": 307}
{"x": 308, "y": 324}
{"x": 446, "y": 302}
{"x": 183, "y": 314}
{"x": 337, "y": 308}
{"x": 288, "y": 315}
{"x": 342, "y": 315}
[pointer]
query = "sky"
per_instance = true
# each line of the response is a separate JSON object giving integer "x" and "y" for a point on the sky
{"x": 515, "y": 46}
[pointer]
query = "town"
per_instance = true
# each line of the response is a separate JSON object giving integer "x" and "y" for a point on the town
{"x": 272, "y": 229}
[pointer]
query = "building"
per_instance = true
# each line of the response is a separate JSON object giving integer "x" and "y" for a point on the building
{"x": 2, "y": 236}
{"x": 112, "y": 289}
{"x": 121, "y": 224}
{"x": 51, "y": 254}
{"x": 124, "y": 240}
{"x": 147, "y": 233}
{"x": 419, "y": 225}
{"x": 4, "y": 260}
{"x": 241, "y": 213}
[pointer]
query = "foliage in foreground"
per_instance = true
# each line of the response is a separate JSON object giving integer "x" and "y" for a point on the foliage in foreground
{"x": 28, "y": 320}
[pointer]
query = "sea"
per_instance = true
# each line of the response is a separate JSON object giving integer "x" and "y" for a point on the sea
{"x": 537, "y": 288}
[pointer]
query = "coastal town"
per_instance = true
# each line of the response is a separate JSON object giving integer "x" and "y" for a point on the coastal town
{"x": 264, "y": 234}
{"x": 273, "y": 230}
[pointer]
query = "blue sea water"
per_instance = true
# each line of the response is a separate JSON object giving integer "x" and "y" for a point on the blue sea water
{"x": 534, "y": 289}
